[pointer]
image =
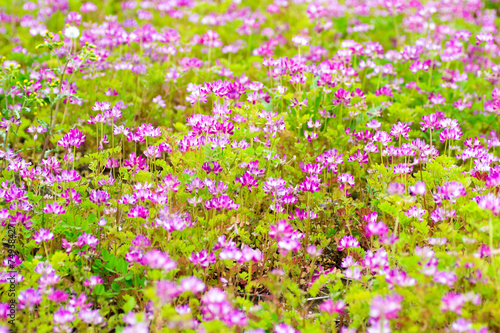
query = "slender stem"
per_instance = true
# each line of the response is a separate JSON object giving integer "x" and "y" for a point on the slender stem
{"x": 492, "y": 252}
{"x": 396, "y": 227}
{"x": 396, "y": 28}
{"x": 54, "y": 116}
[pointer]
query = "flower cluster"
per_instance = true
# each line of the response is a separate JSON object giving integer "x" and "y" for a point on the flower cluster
{"x": 233, "y": 166}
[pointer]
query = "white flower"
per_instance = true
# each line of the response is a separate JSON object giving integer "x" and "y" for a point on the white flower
{"x": 72, "y": 32}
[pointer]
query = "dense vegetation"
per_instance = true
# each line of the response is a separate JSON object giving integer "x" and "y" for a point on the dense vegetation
{"x": 250, "y": 166}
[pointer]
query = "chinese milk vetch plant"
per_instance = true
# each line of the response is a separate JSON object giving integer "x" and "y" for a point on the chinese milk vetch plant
{"x": 250, "y": 166}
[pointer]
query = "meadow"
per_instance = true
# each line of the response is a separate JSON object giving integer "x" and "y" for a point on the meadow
{"x": 248, "y": 166}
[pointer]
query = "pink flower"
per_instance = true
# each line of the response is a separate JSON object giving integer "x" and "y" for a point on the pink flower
{"x": 192, "y": 284}
{"x": 416, "y": 212}
{"x": 246, "y": 180}
{"x": 63, "y": 316}
{"x": 347, "y": 242}
{"x": 330, "y": 307}
{"x": 99, "y": 197}
{"x": 386, "y": 307}
{"x": 158, "y": 260}
{"x": 138, "y": 211}
{"x": 43, "y": 235}
{"x": 135, "y": 163}
{"x": 202, "y": 259}
{"x": 484, "y": 37}
{"x": 310, "y": 184}
{"x": 284, "y": 328}
{"x": 93, "y": 281}
{"x": 452, "y": 302}
{"x": 446, "y": 278}
{"x": 300, "y": 40}
{"x": 74, "y": 138}
{"x": 360, "y": 156}
{"x": 418, "y": 188}
{"x": 29, "y": 298}
{"x": 396, "y": 188}
{"x": 400, "y": 129}
{"x": 54, "y": 208}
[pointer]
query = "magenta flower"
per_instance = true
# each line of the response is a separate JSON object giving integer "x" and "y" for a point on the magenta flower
{"x": 450, "y": 191}
{"x": 490, "y": 202}
{"x": 345, "y": 179}
{"x": 249, "y": 254}
{"x": 159, "y": 260}
{"x": 214, "y": 305}
{"x": 276, "y": 186}
{"x": 342, "y": 96}
{"x": 382, "y": 137}
{"x": 416, "y": 212}
{"x": 36, "y": 130}
{"x": 91, "y": 317}
{"x": 374, "y": 228}
{"x": 310, "y": 184}
{"x": 192, "y": 284}
{"x": 58, "y": 296}
{"x": 418, "y": 188}
{"x": 302, "y": 215}
{"x": 431, "y": 121}
{"x": 216, "y": 169}
{"x": 360, "y": 156}
{"x": 135, "y": 163}
{"x": 330, "y": 307}
{"x": 93, "y": 281}
{"x": 68, "y": 176}
{"x": 99, "y": 197}
{"x": 12, "y": 261}
{"x": 400, "y": 278}
{"x": 63, "y": 316}
{"x": 71, "y": 196}
{"x": 247, "y": 180}
{"x": 221, "y": 202}
{"x": 280, "y": 230}
{"x": 484, "y": 37}
{"x": 141, "y": 241}
{"x": 54, "y": 208}
{"x": 384, "y": 91}
{"x": 400, "y": 129}
{"x": 74, "y": 138}
{"x": 396, "y": 188}
{"x": 138, "y": 211}
{"x": 386, "y": 307}
{"x": 87, "y": 239}
{"x": 43, "y": 235}
{"x": 167, "y": 291}
{"x": 171, "y": 221}
{"x": 450, "y": 134}
{"x": 347, "y": 242}
{"x": 313, "y": 251}
{"x": 377, "y": 261}
{"x": 202, "y": 258}
{"x": 29, "y": 298}
{"x": 446, "y": 278}
{"x": 452, "y": 302}
{"x": 331, "y": 159}
{"x": 441, "y": 214}
{"x": 300, "y": 40}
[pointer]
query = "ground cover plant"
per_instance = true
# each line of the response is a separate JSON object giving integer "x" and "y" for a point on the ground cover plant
{"x": 250, "y": 166}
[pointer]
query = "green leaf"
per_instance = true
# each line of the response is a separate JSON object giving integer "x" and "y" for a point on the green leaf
{"x": 129, "y": 305}
{"x": 122, "y": 266}
{"x": 115, "y": 286}
{"x": 99, "y": 289}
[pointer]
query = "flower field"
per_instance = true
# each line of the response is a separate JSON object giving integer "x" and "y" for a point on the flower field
{"x": 250, "y": 166}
